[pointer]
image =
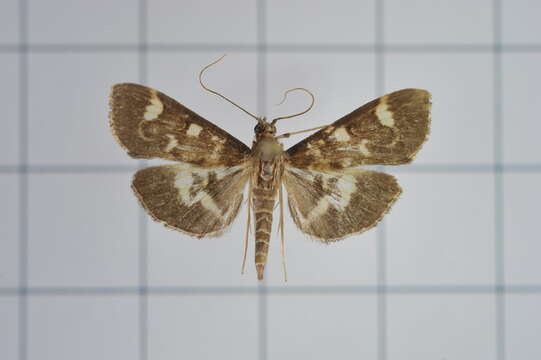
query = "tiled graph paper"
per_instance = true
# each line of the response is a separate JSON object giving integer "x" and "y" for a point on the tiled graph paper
{"x": 452, "y": 273}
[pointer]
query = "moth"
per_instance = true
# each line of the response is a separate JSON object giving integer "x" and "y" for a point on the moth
{"x": 329, "y": 196}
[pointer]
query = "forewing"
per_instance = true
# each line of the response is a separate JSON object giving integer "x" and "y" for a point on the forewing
{"x": 389, "y": 131}
{"x": 197, "y": 201}
{"x": 148, "y": 124}
{"x": 331, "y": 205}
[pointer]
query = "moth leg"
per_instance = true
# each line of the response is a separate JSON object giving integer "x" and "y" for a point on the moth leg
{"x": 281, "y": 228}
{"x": 286, "y": 135}
{"x": 247, "y": 228}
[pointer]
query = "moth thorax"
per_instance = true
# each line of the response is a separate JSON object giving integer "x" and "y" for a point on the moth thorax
{"x": 268, "y": 148}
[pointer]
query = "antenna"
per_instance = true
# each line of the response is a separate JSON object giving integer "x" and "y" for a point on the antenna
{"x": 217, "y": 93}
{"x": 303, "y": 112}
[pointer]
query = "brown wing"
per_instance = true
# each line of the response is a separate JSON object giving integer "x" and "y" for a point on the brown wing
{"x": 387, "y": 131}
{"x": 197, "y": 201}
{"x": 332, "y": 205}
{"x": 150, "y": 124}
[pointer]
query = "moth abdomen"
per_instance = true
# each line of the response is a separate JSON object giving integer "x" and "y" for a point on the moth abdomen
{"x": 263, "y": 228}
{"x": 263, "y": 202}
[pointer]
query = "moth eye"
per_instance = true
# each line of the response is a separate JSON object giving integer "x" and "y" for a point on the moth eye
{"x": 258, "y": 129}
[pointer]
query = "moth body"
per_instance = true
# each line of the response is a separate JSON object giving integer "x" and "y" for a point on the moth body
{"x": 266, "y": 180}
{"x": 265, "y": 184}
{"x": 267, "y": 148}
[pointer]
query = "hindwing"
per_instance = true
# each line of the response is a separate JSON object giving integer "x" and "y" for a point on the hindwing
{"x": 198, "y": 201}
{"x": 330, "y": 205}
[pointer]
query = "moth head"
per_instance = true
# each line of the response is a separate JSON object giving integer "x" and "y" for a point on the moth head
{"x": 264, "y": 128}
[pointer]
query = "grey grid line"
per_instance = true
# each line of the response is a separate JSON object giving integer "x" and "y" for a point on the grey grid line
{"x": 381, "y": 239}
{"x": 23, "y": 181}
{"x": 68, "y": 169}
{"x": 142, "y": 217}
{"x": 411, "y": 168}
{"x": 500, "y": 324}
{"x": 433, "y": 289}
{"x": 261, "y": 107}
{"x": 272, "y": 48}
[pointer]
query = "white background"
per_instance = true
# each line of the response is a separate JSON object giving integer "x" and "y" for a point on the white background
{"x": 452, "y": 273}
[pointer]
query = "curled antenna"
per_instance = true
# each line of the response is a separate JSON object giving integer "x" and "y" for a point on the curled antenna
{"x": 302, "y": 112}
{"x": 217, "y": 93}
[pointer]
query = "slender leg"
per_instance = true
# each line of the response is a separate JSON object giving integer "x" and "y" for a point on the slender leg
{"x": 247, "y": 228}
{"x": 281, "y": 227}
{"x": 286, "y": 135}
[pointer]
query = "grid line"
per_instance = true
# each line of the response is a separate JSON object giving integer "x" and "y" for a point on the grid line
{"x": 261, "y": 108}
{"x": 23, "y": 181}
{"x": 432, "y": 289}
{"x": 381, "y": 239}
{"x": 142, "y": 217}
{"x": 499, "y": 270}
{"x": 410, "y": 168}
{"x": 271, "y": 48}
